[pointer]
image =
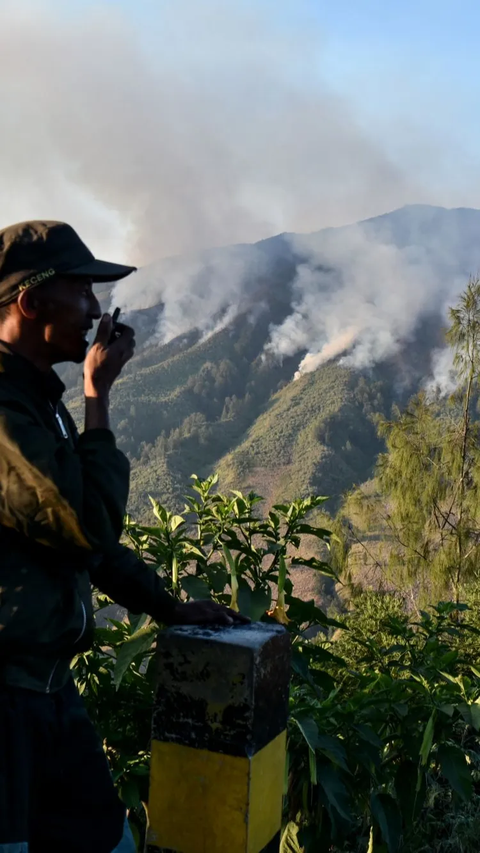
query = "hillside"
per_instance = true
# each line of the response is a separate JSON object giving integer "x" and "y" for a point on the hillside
{"x": 219, "y": 397}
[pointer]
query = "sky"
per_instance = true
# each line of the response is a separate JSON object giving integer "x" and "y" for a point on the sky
{"x": 159, "y": 127}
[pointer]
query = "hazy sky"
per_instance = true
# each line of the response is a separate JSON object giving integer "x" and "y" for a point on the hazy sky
{"x": 160, "y": 127}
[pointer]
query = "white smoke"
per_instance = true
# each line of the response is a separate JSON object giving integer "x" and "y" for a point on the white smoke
{"x": 339, "y": 344}
{"x": 205, "y": 292}
{"x": 362, "y": 296}
{"x": 159, "y": 129}
{"x": 444, "y": 378}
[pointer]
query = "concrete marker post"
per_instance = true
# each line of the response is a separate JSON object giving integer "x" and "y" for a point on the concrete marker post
{"x": 218, "y": 740}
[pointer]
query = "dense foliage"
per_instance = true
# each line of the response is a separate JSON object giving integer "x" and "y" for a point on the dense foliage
{"x": 224, "y": 402}
{"x": 418, "y": 522}
{"x": 384, "y": 710}
{"x": 383, "y": 737}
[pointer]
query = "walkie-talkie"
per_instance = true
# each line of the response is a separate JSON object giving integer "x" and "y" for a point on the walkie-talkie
{"x": 117, "y": 327}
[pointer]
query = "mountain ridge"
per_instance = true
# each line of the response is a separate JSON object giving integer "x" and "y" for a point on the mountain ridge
{"x": 218, "y": 395}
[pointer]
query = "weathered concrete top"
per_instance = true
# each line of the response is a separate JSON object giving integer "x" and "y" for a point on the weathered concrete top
{"x": 252, "y": 636}
{"x": 222, "y": 688}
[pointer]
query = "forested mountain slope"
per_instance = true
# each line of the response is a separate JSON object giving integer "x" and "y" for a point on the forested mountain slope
{"x": 221, "y": 397}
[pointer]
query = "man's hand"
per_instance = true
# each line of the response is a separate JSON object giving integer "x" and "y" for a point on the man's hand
{"x": 207, "y": 613}
{"x": 103, "y": 365}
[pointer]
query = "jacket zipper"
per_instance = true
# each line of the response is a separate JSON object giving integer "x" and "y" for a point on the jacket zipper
{"x": 49, "y": 684}
{"x": 84, "y": 625}
{"x": 59, "y": 421}
{"x": 84, "y": 622}
{"x": 64, "y": 433}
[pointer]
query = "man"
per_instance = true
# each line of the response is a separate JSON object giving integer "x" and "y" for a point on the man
{"x": 62, "y": 503}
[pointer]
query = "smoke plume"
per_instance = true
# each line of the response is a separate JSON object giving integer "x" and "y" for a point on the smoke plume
{"x": 165, "y": 129}
{"x": 361, "y": 296}
{"x": 159, "y": 129}
{"x": 444, "y": 378}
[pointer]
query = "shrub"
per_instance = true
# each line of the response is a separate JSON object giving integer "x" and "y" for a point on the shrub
{"x": 384, "y": 713}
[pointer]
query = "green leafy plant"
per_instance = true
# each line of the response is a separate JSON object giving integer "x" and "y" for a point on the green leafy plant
{"x": 219, "y": 547}
{"x": 399, "y": 719}
{"x": 384, "y": 709}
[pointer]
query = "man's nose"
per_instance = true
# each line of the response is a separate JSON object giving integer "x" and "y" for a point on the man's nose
{"x": 95, "y": 309}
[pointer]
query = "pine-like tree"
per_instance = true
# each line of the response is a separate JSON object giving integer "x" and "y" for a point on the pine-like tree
{"x": 422, "y": 515}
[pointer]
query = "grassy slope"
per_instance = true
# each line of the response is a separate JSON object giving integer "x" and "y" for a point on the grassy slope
{"x": 193, "y": 406}
{"x": 311, "y": 436}
{"x": 308, "y": 440}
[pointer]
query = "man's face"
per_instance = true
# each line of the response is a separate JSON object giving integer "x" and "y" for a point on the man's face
{"x": 67, "y": 309}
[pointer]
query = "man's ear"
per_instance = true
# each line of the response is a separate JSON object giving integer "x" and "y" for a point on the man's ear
{"x": 28, "y": 304}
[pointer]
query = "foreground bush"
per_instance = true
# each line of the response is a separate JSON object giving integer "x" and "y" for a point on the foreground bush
{"x": 382, "y": 741}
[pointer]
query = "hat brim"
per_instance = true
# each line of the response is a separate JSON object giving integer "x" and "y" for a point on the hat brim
{"x": 100, "y": 271}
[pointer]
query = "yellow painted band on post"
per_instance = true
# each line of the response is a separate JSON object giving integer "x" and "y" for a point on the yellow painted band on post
{"x": 267, "y": 781}
{"x": 208, "y": 802}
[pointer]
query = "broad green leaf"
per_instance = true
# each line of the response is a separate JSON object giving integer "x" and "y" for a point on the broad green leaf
{"x": 195, "y": 587}
{"x": 102, "y": 601}
{"x": 368, "y": 734}
{"x": 336, "y": 792}
{"x": 333, "y": 748}
{"x": 244, "y": 598}
{"x": 450, "y": 678}
{"x": 108, "y": 636}
{"x": 130, "y": 792}
{"x": 409, "y": 799}
{"x": 427, "y": 739}
{"x": 309, "y": 730}
{"x": 318, "y": 565}
{"x": 386, "y": 814}
{"x": 218, "y": 577}
{"x": 193, "y": 550}
{"x": 260, "y": 601}
{"x": 138, "y": 643}
{"x": 300, "y": 665}
{"x": 137, "y": 620}
{"x": 319, "y": 653}
{"x": 136, "y": 835}
{"x": 312, "y": 766}
{"x": 159, "y": 511}
{"x": 453, "y": 765}
{"x": 238, "y": 494}
{"x": 306, "y": 611}
{"x": 319, "y": 532}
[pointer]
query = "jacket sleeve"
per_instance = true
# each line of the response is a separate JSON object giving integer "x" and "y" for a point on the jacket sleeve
{"x": 56, "y": 494}
{"x": 133, "y": 584}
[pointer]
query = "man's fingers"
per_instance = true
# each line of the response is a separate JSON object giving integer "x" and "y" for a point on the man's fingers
{"x": 211, "y": 613}
{"x": 217, "y": 617}
{"x": 235, "y": 616}
{"x": 126, "y": 340}
{"x": 226, "y": 616}
{"x": 104, "y": 330}
{"x": 239, "y": 617}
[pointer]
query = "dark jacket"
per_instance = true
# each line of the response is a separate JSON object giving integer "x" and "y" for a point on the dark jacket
{"x": 62, "y": 503}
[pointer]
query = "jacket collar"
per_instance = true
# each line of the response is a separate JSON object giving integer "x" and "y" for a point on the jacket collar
{"x": 24, "y": 373}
